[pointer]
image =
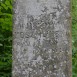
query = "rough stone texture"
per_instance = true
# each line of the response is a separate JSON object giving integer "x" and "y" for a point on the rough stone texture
{"x": 41, "y": 38}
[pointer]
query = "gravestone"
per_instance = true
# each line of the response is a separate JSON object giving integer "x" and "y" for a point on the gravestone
{"x": 42, "y": 38}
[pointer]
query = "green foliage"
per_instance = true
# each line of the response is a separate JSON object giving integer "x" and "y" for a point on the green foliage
{"x": 74, "y": 38}
{"x": 6, "y": 14}
{"x": 5, "y": 38}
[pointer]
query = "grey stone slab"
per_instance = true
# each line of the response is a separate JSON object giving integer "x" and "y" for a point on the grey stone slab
{"x": 42, "y": 38}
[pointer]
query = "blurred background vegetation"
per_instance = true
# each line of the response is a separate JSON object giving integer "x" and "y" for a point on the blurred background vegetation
{"x": 74, "y": 38}
{"x": 6, "y": 38}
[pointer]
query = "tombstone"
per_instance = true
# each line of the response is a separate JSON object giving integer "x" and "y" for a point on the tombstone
{"x": 42, "y": 38}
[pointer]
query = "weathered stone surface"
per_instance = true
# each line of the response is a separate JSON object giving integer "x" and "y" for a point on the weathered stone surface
{"x": 41, "y": 38}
